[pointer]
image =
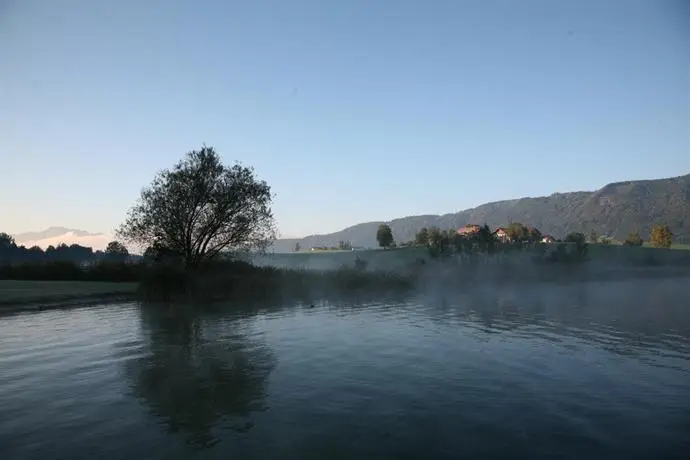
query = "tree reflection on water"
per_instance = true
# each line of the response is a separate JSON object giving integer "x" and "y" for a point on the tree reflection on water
{"x": 198, "y": 376}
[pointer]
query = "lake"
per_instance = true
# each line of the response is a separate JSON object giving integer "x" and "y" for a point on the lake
{"x": 587, "y": 370}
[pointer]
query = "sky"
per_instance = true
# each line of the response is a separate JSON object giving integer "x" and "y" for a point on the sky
{"x": 352, "y": 110}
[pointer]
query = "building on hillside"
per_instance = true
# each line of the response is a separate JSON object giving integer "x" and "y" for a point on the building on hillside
{"x": 547, "y": 239}
{"x": 468, "y": 230}
{"x": 501, "y": 235}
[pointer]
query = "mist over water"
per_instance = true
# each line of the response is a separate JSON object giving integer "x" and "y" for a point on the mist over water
{"x": 597, "y": 369}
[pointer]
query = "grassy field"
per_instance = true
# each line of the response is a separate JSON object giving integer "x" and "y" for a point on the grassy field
{"x": 673, "y": 246}
{"x": 48, "y": 292}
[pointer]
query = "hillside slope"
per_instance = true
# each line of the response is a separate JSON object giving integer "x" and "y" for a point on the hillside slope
{"x": 616, "y": 209}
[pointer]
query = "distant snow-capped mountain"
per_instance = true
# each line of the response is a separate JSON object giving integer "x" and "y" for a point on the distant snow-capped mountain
{"x": 57, "y": 235}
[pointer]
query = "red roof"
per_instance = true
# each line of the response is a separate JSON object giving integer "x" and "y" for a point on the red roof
{"x": 470, "y": 228}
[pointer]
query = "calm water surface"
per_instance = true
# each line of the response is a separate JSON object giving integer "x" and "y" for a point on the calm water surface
{"x": 597, "y": 370}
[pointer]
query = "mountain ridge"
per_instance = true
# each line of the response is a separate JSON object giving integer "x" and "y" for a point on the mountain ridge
{"x": 615, "y": 209}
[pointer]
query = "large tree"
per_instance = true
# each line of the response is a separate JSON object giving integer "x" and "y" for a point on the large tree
{"x": 201, "y": 207}
{"x": 384, "y": 236}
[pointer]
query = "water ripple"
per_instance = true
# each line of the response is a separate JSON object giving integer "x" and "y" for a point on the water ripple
{"x": 597, "y": 370}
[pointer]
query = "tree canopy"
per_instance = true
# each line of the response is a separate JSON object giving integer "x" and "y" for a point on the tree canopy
{"x": 576, "y": 237}
{"x": 384, "y": 236}
{"x": 661, "y": 236}
{"x": 486, "y": 239}
{"x": 422, "y": 237}
{"x": 437, "y": 241}
{"x": 201, "y": 207}
{"x": 116, "y": 251}
{"x": 517, "y": 232}
{"x": 6, "y": 241}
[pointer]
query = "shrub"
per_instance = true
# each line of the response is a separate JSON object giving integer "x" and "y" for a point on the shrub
{"x": 633, "y": 239}
{"x": 661, "y": 236}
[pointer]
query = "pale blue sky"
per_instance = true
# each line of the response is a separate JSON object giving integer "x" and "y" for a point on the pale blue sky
{"x": 352, "y": 110}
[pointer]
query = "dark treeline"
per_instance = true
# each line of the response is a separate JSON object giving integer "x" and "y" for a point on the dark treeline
{"x": 11, "y": 253}
{"x": 66, "y": 262}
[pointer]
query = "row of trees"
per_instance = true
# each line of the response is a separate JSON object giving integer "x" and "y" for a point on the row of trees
{"x": 660, "y": 236}
{"x": 434, "y": 237}
{"x": 445, "y": 242}
{"x": 440, "y": 241}
{"x": 483, "y": 240}
{"x": 11, "y": 253}
{"x": 520, "y": 233}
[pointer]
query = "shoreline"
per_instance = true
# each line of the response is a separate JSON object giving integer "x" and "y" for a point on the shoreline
{"x": 74, "y": 302}
{"x": 25, "y": 295}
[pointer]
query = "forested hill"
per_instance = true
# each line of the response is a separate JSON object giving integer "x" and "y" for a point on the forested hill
{"x": 614, "y": 210}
